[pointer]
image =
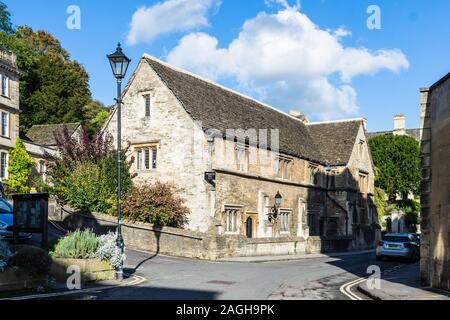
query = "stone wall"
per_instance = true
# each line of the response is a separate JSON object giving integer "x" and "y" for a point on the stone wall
{"x": 182, "y": 156}
{"x": 190, "y": 244}
{"x": 435, "y": 186}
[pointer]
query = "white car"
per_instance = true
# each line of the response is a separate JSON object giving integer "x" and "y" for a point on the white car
{"x": 402, "y": 245}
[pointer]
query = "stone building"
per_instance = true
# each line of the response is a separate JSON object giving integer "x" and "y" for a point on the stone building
{"x": 435, "y": 187}
{"x": 180, "y": 126}
{"x": 10, "y": 110}
{"x": 44, "y": 135}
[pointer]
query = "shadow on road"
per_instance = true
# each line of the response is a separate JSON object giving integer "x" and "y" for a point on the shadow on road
{"x": 142, "y": 293}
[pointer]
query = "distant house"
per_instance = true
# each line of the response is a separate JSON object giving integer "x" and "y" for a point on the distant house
{"x": 44, "y": 135}
{"x": 36, "y": 145}
{"x": 399, "y": 129}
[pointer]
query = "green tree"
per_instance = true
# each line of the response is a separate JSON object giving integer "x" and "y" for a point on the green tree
{"x": 5, "y": 19}
{"x": 19, "y": 168}
{"x": 397, "y": 162}
{"x": 54, "y": 88}
{"x": 380, "y": 202}
{"x": 98, "y": 114}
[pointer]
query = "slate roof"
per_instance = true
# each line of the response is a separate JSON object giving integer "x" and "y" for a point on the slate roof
{"x": 220, "y": 108}
{"x": 336, "y": 139}
{"x": 45, "y": 134}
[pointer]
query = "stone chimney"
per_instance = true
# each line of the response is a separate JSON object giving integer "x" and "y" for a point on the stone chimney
{"x": 299, "y": 116}
{"x": 364, "y": 119}
{"x": 399, "y": 125}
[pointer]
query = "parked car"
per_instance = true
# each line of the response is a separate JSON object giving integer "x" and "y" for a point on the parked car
{"x": 405, "y": 246}
{"x": 7, "y": 222}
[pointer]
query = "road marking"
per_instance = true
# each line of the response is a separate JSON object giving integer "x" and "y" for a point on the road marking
{"x": 346, "y": 289}
{"x": 137, "y": 280}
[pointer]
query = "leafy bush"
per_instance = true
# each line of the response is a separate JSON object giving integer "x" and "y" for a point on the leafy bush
{"x": 380, "y": 202}
{"x": 20, "y": 168}
{"x": 157, "y": 204}
{"x": 31, "y": 261}
{"x": 108, "y": 250}
{"x": 77, "y": 245}
{"x": 84, "y": 189}
{"x": 84, "y": 175}
{"x": 411, "y": 208}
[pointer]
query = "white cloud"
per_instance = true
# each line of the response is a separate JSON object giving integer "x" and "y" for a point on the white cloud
{"x": 169, "y": 16}
{"x": 288, "y": 61}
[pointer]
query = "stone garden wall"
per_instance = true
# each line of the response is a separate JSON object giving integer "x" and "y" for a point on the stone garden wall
{"x": 208, "y": 246}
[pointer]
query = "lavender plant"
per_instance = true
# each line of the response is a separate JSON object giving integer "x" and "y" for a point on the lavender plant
{"x": 108, "y": 250}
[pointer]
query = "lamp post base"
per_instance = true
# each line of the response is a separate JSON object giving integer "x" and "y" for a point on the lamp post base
{"x": 119, "y": 275}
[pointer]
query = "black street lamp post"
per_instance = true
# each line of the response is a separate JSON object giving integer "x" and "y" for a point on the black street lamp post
{"x": 119, "y": 64}
{"x": 273, "y": 215}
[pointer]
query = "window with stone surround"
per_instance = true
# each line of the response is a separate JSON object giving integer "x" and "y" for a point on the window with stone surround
{"x": 361, "y": 146}
{"x": 284, "y": 220}
{"x": 147, "y": 105}
{"x": 242, "y": 157}
{"x": 363, "y": 182}
{"x": 4, "y": 87}
{"x": 146, "y": 158}
{"x": 231, "y": 219}
{"x": 3, "y": 165}
{"x": 313, "y": 170}
{"x": 284, "y": 167}
{"x": 5, "y": 124}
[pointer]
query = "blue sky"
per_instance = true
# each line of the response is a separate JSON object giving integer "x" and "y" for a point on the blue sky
{"x": 333, "y": 76}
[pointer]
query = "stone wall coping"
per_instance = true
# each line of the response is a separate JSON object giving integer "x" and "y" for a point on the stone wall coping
{"x": 141, "y": 225}
{"x": 274, "y": 240}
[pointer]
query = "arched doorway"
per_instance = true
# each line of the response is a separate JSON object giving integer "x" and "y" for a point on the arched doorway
{"x": 249, "y": 227}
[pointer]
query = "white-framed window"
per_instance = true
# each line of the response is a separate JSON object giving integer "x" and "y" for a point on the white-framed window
{"x": 242, "y": 157}
{"x": 232, "y": 216}
{"x": 3, "y": 165}
{"x": 147, "y": 158}
{"x": 5, "y": 124}
{"x": 4, "y": 85}
{"x": 147, "y": 105}
{"x": 284, "y": 221}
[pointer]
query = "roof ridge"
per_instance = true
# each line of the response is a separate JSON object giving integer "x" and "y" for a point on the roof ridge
{"x": 336, "y": 121}
{"x": 181, "y": 70}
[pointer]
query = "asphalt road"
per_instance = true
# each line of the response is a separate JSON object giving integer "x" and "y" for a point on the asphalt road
{"x": 186, "y": 279}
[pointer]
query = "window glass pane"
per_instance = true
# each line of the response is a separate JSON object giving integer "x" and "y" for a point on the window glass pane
{"x": 147, "y": 105}
{"x": 3, "y": 163}
{"x": 147, "y": 159}
{"x": 4, "y": 90}
{"x": 154, "y": 157}
{"x": 4, "y": 124}
{"x": 139, "y": 160}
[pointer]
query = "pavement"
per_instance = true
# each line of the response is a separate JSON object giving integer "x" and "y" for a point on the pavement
{"x": 294, "y": 257}
{"x": 402, "y": 284}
